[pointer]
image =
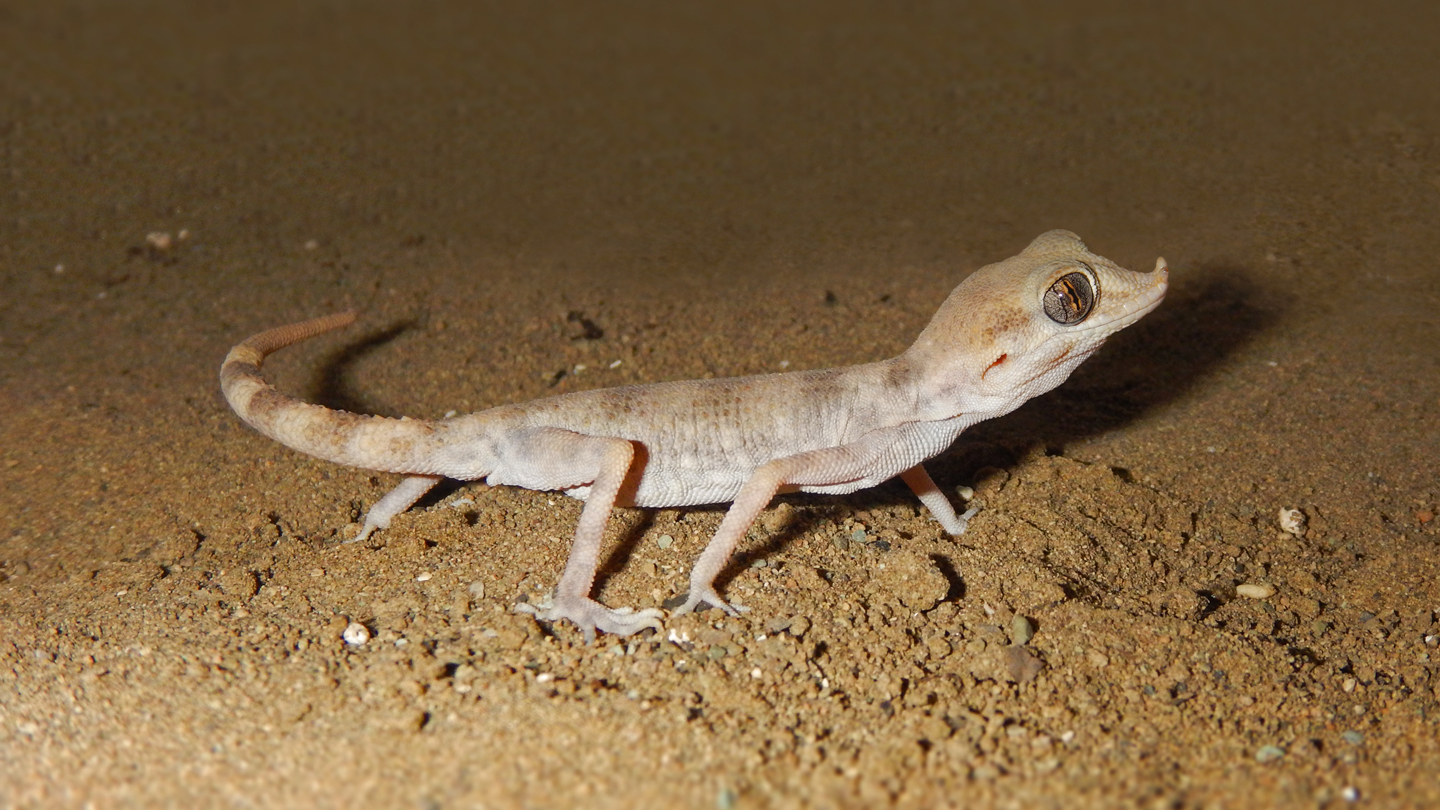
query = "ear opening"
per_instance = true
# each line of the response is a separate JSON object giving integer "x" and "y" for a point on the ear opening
{"x": 993, "y": 365}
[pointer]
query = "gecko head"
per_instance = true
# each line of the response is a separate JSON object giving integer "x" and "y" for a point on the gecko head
{"x": 1016, "y": 329}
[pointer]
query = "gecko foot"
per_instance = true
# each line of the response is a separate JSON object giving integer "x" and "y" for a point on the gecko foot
{"x": 708, "y": 596}
{"x": 365, "y": 532}
{"x": 963, "y": 521}
{"x": 589, "y": 616}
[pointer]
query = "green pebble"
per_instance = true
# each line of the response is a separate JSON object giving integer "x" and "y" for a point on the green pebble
{"x": 1021, "y": 630}
{"x": 1269, "y": 753}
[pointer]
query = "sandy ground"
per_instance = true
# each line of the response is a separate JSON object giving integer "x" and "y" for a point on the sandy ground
{"x": 510, "y": 193}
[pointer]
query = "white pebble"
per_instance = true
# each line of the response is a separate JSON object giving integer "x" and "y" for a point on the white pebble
{"x": 423, "y": 578}
{"x": 1292, "y": 521}
{"x": 355, "y": 634}
{"x": 1255, "y": 590}
{"x": 1350, "y": 794}
{"x": 965, "y": 493}
{"x": 159, "y": 240}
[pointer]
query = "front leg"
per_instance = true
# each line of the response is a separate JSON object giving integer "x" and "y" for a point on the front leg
{"x": 930, "y": 495}
{"x": 565, "y": 459}
{"x": 832, "y": 465}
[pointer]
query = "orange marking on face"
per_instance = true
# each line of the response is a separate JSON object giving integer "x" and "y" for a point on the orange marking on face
{"x": 991, "y": 367}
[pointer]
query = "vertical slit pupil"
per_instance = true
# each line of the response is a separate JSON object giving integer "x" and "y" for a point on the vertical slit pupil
{"x": 1070, "y": 299}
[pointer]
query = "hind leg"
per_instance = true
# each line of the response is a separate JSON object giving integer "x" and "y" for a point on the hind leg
{"x": 397, "y": 500}
{"x": 602, "y": 463}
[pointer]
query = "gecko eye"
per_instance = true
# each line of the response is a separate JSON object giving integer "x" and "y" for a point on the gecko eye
{"x": 1070, "y": 299}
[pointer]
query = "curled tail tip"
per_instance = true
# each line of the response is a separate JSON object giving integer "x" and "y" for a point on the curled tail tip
{"x": 246, "y": 356}
{"x": 278, "y": 338}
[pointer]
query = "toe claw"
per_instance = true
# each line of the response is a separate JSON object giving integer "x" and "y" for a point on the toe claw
{"x": 708, "y": 596}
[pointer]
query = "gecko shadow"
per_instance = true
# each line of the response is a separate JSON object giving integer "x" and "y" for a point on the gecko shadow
{"x": 332, "y": 391}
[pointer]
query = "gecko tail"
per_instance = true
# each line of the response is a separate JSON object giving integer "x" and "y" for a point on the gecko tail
{"x": 255, "y": 347}
{"x": 369, "y": 442}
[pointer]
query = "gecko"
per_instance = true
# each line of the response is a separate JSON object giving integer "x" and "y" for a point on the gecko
{"x": 1009, "y": 332}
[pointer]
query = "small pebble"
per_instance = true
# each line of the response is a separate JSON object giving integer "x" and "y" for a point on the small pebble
{"x": 477, "y": 589}
{"x": 858, "y": 536}
{"x": 965, "y": 493}
{"x": 423, "y": 578}
{"x": 1269, "y": 753}
{"x": 1255, "y": 590}
{"x": 664, "y": 541}
{"x": 1021, "y": 631}
{"x": 355, "y": 634}
{"x": 1353, "y": 737}
{"x": 1292, "y": 521}
{"x": 727, "y": 799}
{"x": 1350, "y": 794}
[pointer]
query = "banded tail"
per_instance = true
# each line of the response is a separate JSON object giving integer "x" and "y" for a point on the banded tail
{"x": 370, "y": 442}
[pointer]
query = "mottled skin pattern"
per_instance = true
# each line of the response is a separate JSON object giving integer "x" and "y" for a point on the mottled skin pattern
{"x": 992, "y": 346}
